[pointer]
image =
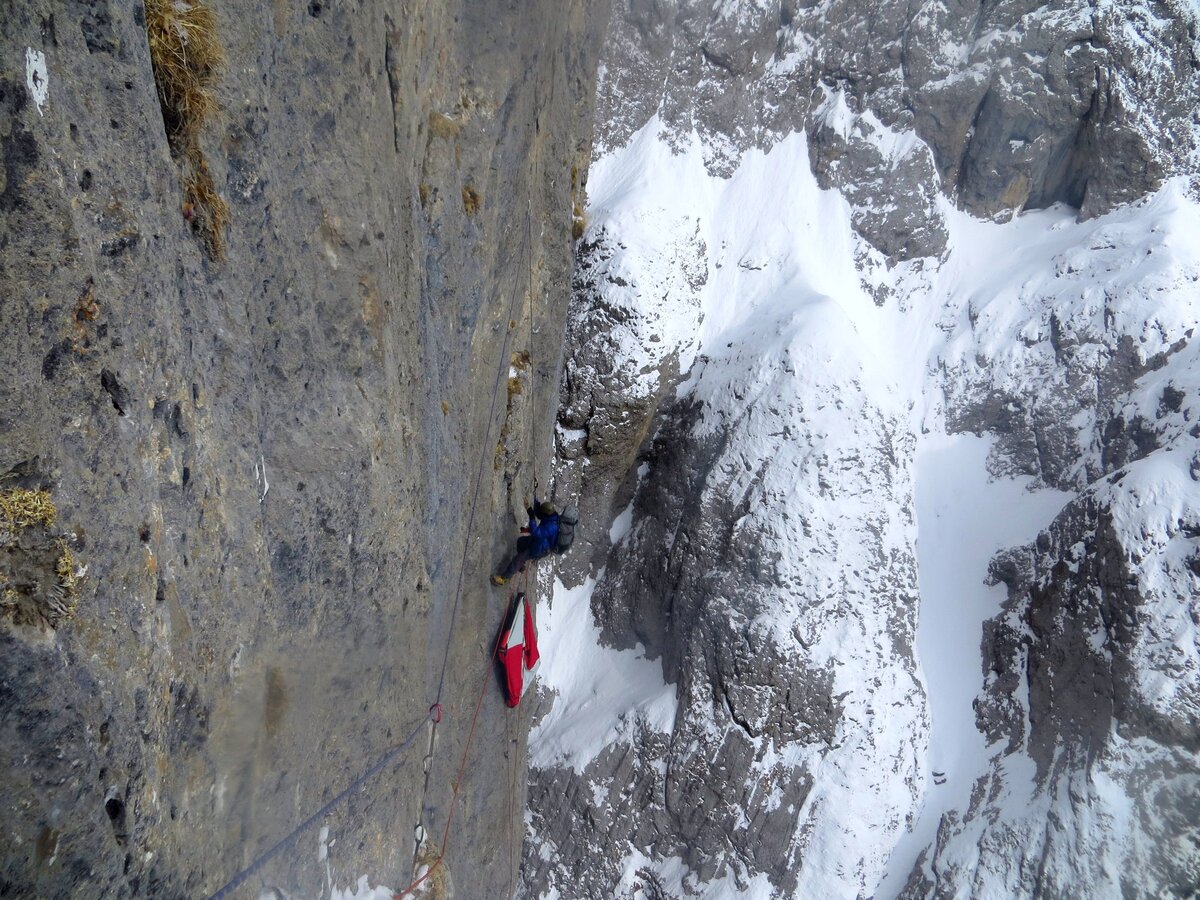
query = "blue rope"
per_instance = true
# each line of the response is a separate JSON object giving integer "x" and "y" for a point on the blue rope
{"x": 483, "y": 455}
{"x": 239, "y": 879}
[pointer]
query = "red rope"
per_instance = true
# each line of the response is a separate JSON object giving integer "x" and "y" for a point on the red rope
{"x": 462, "y": 766}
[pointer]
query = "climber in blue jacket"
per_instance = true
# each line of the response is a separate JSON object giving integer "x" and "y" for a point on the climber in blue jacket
{"x": 538, "y": 539}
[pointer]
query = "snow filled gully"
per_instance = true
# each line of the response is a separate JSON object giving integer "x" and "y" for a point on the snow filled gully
{"x": 963, "y": 519}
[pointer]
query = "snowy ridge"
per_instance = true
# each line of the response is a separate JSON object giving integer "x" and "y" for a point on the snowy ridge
{"x": 793, "y": 350}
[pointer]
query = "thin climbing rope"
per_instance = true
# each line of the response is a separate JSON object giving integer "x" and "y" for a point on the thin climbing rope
{"x": 537, "y": 129}
{"x": 504, "y": 356}
{"x": 435, "y": 710}
{"x": 240, "y": 878}
{"x": 483, "y": 455}
{"x": 462, "y": 766}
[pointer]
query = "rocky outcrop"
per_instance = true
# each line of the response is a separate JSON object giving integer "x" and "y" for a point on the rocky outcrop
{"x": 1091, "y": 671}
{"x": 624, "y": 364}
{"x": 1017, "y": 105}
{"x": 717, "y": 580}
{"x": 1071, "y": 348}
{"x": 263, "y": 460}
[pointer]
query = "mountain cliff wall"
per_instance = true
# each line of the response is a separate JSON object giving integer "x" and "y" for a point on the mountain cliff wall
{"x": 881, "y": 395}
{"x": 262, "y": 463}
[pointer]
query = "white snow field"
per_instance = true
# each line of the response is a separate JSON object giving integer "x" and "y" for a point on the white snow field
{"x": 823, "y": 390}
{"x": 964, "y": 517}
{"x": 612, "y": 691}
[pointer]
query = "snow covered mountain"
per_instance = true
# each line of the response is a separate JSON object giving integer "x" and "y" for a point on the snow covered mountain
{"x": 881, "y": 404}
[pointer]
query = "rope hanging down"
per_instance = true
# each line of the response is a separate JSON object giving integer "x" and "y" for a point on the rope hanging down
{"x": 462, "y": 766}
{"x": 483, "y": 456}
{"x": 240, "y": 877}
{"x": 434, "y": 715}
{"x": 504, "y": 356}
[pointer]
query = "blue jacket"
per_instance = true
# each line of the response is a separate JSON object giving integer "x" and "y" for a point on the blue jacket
{"x": 544, "y": 533}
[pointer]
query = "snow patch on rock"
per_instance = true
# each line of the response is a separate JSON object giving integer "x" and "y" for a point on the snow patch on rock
{"x": 602, "y": 694}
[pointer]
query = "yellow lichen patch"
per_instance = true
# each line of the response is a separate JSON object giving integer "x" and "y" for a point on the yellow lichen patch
{"x": 65, "y": 601}
{"x": 21, "y": 508}
{"x": 39, "y": 576}
{"x": 65, "y": 568}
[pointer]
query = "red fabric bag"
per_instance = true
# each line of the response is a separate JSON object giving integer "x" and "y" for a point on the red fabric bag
{"x": 518, "y": 649}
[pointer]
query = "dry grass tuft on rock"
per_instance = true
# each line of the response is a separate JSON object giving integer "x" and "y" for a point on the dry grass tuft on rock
{"x": 437, "y": 885}
{"x": 578, "y": 221}
{"x": 471, "y": 200}
{"x": 443, "y": 127}
{"x": 21, "y": 508}
{"x": 39, "y": 575}
{"x": 518, "y": 363}
{"x": 209, "y": 212}
{"x": 187, "y": 56}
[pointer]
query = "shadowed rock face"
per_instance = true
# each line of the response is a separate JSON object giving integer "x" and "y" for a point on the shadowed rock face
{"x": 1081, "y": 689}
{"x": 1020, "y": 104}
{"x": 264, "y": 462}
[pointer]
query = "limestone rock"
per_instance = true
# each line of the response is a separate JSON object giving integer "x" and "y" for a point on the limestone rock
{"x": 265, "y": 459}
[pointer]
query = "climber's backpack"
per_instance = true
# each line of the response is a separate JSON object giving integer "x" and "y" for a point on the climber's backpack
{"x": 567, "y": 520}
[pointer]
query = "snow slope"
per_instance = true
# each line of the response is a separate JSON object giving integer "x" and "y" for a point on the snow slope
{"x": 612, "y": 691}
{"x": 798, "y": 423}
{"x": 963, "y": 518}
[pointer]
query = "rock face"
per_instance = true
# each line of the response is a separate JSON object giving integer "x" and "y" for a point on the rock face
{"x": 264, "y": 462}
{"x": 779, "y": 299}
{"x": 1090, "y": 667}
{"x": 1017, "y": 105}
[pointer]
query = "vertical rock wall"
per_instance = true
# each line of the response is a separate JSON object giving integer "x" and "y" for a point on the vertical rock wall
{"x": 265, "y": 461}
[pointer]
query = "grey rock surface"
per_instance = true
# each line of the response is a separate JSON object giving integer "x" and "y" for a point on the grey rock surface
{"x": 265, "y": 463}
{"x": 611, "y": 399}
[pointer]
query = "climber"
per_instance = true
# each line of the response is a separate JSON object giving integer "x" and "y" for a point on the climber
{"x": 537, "y": 540}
